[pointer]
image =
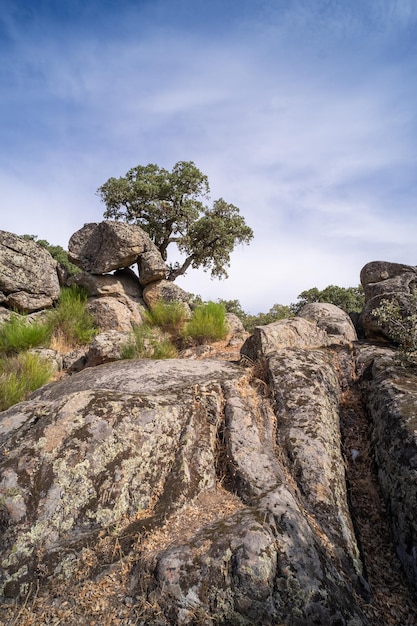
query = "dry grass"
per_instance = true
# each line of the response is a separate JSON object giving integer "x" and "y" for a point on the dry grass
{"x": 392, "y": 601}
{"x": 106, "y": 600}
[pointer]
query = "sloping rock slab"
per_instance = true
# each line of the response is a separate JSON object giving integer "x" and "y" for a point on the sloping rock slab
{"x": 100, "y": 445}
{"x": 132, "y": 444}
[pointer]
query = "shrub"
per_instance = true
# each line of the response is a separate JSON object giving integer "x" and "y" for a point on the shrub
{"x": 148, "y": 344}
{"x": 18, "y": 334}
{"x": 400, "y": 326}
{"x": 20, "y": 375}
{"x": 71, "y": 321}
{"x": 169, "y": 316}
{"x": 208, "y": 323}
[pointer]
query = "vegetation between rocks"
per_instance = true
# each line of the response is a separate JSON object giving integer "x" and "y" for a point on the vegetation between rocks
{"x": 67, "y": 326}
{"x": 20, "y": 375}
{"x": 72, "y": 324}
{"x": 400, "y": 326}
{"x": 168, "y": 328}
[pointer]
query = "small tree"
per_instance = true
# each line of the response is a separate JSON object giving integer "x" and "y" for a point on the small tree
{"x": 170, "y": 207}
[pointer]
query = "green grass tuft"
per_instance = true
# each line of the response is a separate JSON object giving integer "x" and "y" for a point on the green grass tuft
{"x": 147, "y": 343}
{"x": 208, "y": 323}
{"x": 71, "y": 320}
{"x": 169, "y": 316}
{"x": 20, "y": 375}
{"x": 18, "y": 334}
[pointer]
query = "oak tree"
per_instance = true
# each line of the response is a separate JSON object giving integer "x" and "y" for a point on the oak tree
{"x": 170, "y": 207}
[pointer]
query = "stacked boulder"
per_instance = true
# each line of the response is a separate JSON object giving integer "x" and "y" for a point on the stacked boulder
{"x": 117, "y": 301}
{"x": 382, "y": 280}
{"x": 30, "y": 279}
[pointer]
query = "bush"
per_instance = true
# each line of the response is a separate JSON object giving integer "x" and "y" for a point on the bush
{"x": 208, "y": 323}
{"x": 148, "y": 344}
{"x": 169, "y": 316}
{"x": 20, "y": 375}
{"x": 18, "y": 334}
{"x": 71, "y": 321}
{"x": 400, "y": 326}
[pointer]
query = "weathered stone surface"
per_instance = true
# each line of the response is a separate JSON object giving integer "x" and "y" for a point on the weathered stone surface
{"x": 80, "y": 455}
{"x": 133, "y": 443}
{"x": 332, "y": 319}
{"x": 295, "y": 332}
{"x": 306, "y": 391}
{"x": 382, "y": 280}
{"x": 115, "y": 300}
{"x": 99, "y": 248}
{"x": 235, "y": 324}
{"x": 168, "y": 292}
{"x": 392, "y": 401}
{"x": 151, "y": 267}
{"x": 28, "y": 274}
{"x": 120, "y": 314}
{"x": 378, "y": 271}
{"x": 121, "y": 283}
{"x": 106, "y": 347}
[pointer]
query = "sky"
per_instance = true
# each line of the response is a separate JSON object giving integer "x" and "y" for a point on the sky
{"x": 302, "y": 113}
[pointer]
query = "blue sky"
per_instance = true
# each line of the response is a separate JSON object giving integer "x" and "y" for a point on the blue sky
{"x": 303, "y": 113}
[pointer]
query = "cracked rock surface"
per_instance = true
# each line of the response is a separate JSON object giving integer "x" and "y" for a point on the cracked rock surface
{"x": 199, "y": 491}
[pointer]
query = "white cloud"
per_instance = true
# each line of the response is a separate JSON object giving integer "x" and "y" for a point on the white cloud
{"x": 290, "y": 113}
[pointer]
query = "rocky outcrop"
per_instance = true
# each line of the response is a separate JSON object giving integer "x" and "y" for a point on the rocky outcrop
{"x": 28, "y": 275}
{"x": 199, "y": 490}
{"x": 278, "y": 546}
{"x": 333, "y": 320}
{"x": 117, "y": 302}
{"x": 140, "y": 444}
{"x": 99, "y": 248}
{"x": 382, "y": 280}
{"x": 293, "y": 333}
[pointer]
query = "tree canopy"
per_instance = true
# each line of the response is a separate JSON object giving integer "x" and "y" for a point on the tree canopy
{"x": 350, "y": 299}
{"x": 170, "y": 207}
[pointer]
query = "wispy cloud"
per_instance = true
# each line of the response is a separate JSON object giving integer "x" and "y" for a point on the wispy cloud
{"x": 302, "y": 114}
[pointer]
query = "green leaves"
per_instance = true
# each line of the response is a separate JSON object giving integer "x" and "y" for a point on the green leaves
{"x": 399, "y": 322}
{"x": 350, "y": 299}
{"x": 169, "y": 206}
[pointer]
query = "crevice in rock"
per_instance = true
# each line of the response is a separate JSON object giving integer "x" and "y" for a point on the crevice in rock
{"x": 392, "y": 602}
{"x": 226, "y": 473}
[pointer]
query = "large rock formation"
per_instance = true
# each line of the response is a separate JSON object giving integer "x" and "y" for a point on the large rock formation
{"x": 28, "y": 275}
{"x": 135, "y": 444}
{"x": 382, "y": 280}
{"x": 392, "y": 401}
{"x": 99, "y": 248}
{"x": 117, "y": 301}
{"x": 199, "y": 491}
